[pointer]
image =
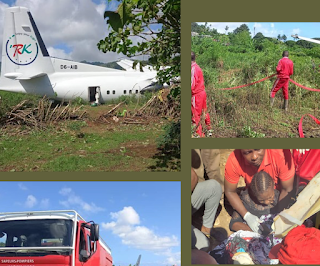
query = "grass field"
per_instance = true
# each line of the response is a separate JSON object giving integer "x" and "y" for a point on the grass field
{"x": 87, "y": 145}
{"x": 246, "y": 112}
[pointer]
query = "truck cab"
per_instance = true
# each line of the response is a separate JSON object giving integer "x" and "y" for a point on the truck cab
{"x": 61, "y": 238}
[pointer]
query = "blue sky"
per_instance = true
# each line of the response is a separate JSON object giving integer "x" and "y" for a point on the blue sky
{"x": 152, "y": 211}
{"x": 273, "y": 29}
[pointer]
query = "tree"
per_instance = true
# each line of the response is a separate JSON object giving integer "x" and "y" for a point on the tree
{"x": 156, "y": 23}
{"x": 284, "y": 37}
{"x": 291, "y": 43}
{"x": 305, "y": 44}
{"x": 195, "y": 27}
{"x": 259, "y": 36}
{"x": 243, "y": 27}
{"x": 258, "y": 39}
{"x": 279, "y": 37}
{"x": 226, "y": 28}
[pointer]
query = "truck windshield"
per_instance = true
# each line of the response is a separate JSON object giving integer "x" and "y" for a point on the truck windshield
{"x": 36, "y": 233}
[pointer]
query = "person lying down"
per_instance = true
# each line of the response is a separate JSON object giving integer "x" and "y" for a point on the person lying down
{"x": 259, "y": 198}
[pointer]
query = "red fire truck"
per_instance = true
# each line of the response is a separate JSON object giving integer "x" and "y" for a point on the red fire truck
{"x": 57, "y": 238}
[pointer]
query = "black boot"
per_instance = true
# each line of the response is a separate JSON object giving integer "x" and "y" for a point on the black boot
{"x": 271, "y": 101}
{"x": 285, "y": 105}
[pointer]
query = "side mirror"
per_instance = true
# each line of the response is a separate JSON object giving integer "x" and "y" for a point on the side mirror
{"x": 94, "y": 232}
{"x": 84, "y": 255}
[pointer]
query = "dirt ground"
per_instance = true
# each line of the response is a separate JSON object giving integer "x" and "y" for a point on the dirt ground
{"x": 97, "y": 120}
{"x": 221, "y": 226}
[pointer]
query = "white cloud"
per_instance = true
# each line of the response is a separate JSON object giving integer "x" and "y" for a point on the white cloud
{"x": 31, "y": 201}
{"x": 173, "y": 258}
{"x": 76, "y": 24}
{"x": 126, "y": 225}
{"x": 65, "y": 191}
{"x": 272, "y": 25}
{"x": 22, "y": 186}
{"x": 75, "y": 201}
{"x": 127, "y": 216}
{"x": 101, "y": 8}
{"x": 59, "y": 53}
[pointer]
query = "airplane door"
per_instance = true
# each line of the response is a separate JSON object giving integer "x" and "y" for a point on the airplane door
{"x": 92, "y": 92}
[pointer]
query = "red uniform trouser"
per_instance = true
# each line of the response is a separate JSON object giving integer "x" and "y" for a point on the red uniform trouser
{"x": 278, "y": 84}
{"x": 199, "y": 105}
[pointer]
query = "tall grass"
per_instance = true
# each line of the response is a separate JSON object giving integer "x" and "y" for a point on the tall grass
{"x": 234, "y": 112}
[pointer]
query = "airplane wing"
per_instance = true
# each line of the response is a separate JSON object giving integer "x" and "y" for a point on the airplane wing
{"x": 305, "y": 39}
{"x": 20, "y": 76}
{"x": 128, "y": 66}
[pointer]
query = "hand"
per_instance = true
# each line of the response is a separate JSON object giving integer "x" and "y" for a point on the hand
{"x": 252, "y": 221}
{"x": 303, "y": 151}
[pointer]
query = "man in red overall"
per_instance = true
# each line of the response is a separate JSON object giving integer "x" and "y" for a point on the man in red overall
{"x": 284, "y": 70}
{"x": 198, "y": 96}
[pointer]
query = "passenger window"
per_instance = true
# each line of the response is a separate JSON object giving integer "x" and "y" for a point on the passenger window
{"x": 108, "y": 92}
{"x": 124, "y": 92}
{"x": 113, "y": 92}
{"x": 137, "y": 91}
{"x": 88, "y": 244}
{"x": 130, "y": 91}
{"x": 82, "y": 244}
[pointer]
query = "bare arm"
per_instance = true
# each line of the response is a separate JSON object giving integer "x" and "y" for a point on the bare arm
{"x": 286, "y": 187}
{"x": 286, "y": 194}
{"x": 240, "y": 226}
{"x": 230, "y": 191}
{"x": 194, "y": 179}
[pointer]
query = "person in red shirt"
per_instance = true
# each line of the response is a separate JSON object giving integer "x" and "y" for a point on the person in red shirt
{"x": 284, "y": 70}
{"x": 245, "y": 163}
{"x": 199, "y": 97}
{"x": 307, "y": 164}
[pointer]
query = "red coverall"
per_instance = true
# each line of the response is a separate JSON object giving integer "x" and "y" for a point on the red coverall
{"x": 307, "y": 165}
{"x": 284, "y": 70}
{"x": 198, "y": 98}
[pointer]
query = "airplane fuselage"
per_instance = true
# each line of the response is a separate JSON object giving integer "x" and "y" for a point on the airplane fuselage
{"x": 80, "y": 84}
{"x": 27, "y": 67}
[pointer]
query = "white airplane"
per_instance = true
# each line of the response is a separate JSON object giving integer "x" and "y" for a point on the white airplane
{"x": 305, "y": 39}
{"x": 27, "y": 67}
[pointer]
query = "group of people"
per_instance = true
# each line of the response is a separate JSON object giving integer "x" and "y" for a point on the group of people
{"x": 199, "y": 97}
{"x": 273, "y": 178}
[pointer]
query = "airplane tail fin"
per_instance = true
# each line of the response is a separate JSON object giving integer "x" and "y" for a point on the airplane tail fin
{"x": 24, "y": 55}
{"x": 138, "y": 261}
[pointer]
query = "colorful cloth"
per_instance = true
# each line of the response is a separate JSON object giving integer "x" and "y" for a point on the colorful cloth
{"x": 256, "y": 245}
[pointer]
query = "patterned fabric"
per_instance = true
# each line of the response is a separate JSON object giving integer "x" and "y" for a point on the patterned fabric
{"x": 256, "y": 245}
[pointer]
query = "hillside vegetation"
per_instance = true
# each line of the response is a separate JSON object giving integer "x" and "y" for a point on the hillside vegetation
{"x": 236, "y": 59}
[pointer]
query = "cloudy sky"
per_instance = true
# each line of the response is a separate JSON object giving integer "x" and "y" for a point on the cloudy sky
{"x": 134, "y": 217}
{"x": 272, "y": 29}
{"x": 70, "y": 29}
